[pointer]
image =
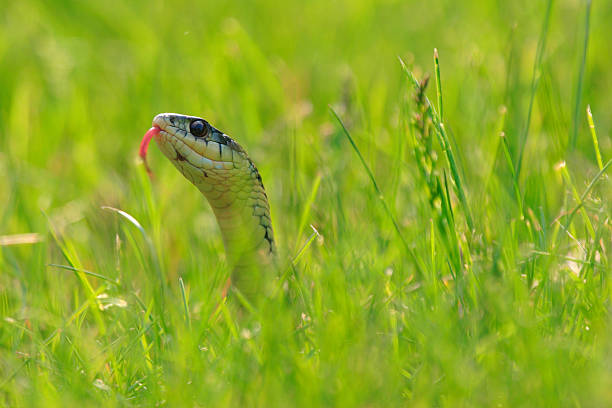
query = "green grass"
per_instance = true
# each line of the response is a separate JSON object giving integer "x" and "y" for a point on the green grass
{"x": 455, "y": 260}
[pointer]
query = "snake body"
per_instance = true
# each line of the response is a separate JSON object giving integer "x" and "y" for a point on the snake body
{"x": 221, "y": 169}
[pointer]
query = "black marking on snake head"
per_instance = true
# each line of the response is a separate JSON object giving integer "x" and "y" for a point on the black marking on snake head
{"x": 222, "y": 138}
{"x": 205, "y": 173}
{"x": 180, "y": 157}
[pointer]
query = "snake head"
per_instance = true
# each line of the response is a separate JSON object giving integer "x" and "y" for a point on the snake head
{"x": 193, "y": 140}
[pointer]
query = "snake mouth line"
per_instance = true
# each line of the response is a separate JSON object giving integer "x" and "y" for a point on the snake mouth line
{"x": 198, "y": 153}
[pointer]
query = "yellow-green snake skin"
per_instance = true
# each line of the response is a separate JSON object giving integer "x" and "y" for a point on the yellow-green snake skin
{"x": 221, "y": 169}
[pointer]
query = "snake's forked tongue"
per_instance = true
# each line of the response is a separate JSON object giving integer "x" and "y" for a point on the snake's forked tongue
{"x": 144, "y": 145}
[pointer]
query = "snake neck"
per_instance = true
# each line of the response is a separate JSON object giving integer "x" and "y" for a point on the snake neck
{"x": 243, "y": 217}
{"x": 241, "y": 207}
{"x": 245, "y": 226}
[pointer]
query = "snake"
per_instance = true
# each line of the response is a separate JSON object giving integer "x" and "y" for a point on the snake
{"x": 229, "y": 180}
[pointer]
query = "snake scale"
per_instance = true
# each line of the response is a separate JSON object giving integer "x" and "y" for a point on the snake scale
{"x": 221, "y": 169}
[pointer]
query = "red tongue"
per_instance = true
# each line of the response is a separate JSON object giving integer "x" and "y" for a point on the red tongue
{"x": 144, "y": 145}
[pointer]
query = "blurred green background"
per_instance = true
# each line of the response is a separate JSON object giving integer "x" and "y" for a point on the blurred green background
{"x": 79, "y": 85}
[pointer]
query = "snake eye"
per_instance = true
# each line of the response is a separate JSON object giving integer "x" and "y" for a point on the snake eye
{"x": 198, "y": 128}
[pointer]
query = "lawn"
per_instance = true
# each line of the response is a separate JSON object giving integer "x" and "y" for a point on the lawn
{"x": 444, "y": 226}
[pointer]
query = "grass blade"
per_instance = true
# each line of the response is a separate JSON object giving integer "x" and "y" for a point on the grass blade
{"x": 535, "y": 80}
{"x": 438, "y": 84}
{"x": 86, "y": 272}
{"x": 153, "y": 253}
{"x": 378, "y": 192}
{"x": 585, "y": 48}
{"x": 185, "y": 304}
{"x": 21, "y": 239}
{"x": 306, "y": 211}
{"x": 446, "y": 147}
{"x": 568, "y": 181}
{"x": 585, "y": 193}
{"x": 594, "y": 136}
